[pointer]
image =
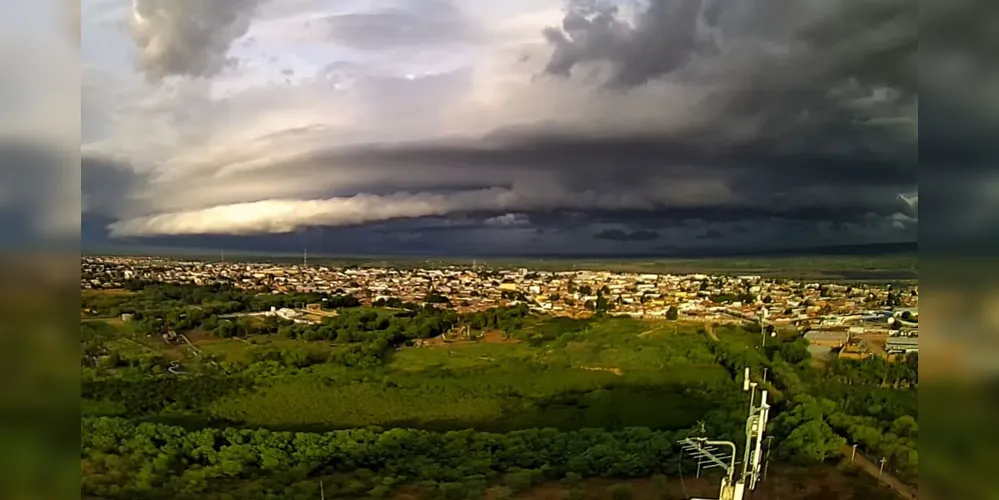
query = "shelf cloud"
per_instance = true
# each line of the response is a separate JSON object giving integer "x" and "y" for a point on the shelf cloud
{"x": 581, "y": 123}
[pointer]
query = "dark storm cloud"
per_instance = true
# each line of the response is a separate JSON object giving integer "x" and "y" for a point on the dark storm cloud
{"x": 36, "y": 178}
{"x": 868, "y": 43}
{"x": 711, "y": 234}
{"x": 825, "y": 131}
{"x": 815, "y": 140}
{"x": 422, "y": 23}
{"x": 102, "y": 182}
{"x": 959, "y": 114}
{"x": 619, "y": 235}
{"x": 765, "y": 181}
{"x": 869, "y": 40}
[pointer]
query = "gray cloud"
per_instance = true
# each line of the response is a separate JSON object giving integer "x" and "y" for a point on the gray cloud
{"x": 188, "y": 37}
{"x": 103, "y": 181}
{"x": 619, "y": 235}
{"x": 751, "y": 119}
{"x": 37, "y": 188}
{"x": 420, "y": 24}
{"x": 823, "y": 129}
{"x": 711, "y": 234}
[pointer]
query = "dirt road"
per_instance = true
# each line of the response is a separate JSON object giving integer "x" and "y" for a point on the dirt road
{"x": 711, "y": 332}
{"x": 872, "y": 468}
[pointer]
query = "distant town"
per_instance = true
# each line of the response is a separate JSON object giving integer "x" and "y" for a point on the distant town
{"x": 852, "y": 320}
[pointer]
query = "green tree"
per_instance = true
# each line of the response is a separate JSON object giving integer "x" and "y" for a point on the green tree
{"x": 572, "y": 479}
{"x": 811, "y": 442}
{"x": 518, "y": 481}
{"x": 672, "y": 313}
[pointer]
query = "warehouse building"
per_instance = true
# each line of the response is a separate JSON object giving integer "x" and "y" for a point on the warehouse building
{"x": 900, "y": 345}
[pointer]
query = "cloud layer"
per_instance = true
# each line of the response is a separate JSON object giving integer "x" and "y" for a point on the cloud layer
{"x": 686, "y": 123}
{"x": 188, "y": 37}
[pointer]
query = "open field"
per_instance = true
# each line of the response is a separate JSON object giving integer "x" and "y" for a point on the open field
{"x": 559, "y": 373}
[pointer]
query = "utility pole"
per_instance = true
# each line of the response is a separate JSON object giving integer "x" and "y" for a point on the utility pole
{"x": 322, "y": 493}
{"x": 764, "y": 312}
{"x": 881, "y": 471}
{"x": 853, "y": 454}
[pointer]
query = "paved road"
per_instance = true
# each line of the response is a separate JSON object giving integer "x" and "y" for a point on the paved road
{"x": 872, "y": 468}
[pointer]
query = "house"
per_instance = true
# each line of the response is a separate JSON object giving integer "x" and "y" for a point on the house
{"x": 855, "y": 349}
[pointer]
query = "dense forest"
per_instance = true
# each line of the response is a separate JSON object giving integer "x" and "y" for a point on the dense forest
{"x": 148, "y": 461}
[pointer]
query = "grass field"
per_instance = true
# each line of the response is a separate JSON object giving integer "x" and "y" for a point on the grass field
{"x": 554, "y": 372}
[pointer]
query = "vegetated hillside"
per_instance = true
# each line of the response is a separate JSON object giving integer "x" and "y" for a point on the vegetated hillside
{"x": 259, "y": 406}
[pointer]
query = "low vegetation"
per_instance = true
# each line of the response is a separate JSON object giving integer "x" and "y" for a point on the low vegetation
{"x": 449, "y": 403}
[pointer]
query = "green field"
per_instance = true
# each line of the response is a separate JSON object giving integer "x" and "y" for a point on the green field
{"x": 558, "y": 373}
{"x": 377, "y": 404}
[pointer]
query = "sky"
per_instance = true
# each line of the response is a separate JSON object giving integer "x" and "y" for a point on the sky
{"x": 515, "y": 127}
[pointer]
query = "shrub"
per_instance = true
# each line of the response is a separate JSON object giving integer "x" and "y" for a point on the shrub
{"x": 572, "y": 479}
{"x": 518, "y": 481}
{"x": 502, "y": 493}
{"x": 381, "y": 491}
{"x": 621, "y": 492}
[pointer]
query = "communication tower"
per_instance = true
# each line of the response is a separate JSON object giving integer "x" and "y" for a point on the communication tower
{"x": 709, "y": 454}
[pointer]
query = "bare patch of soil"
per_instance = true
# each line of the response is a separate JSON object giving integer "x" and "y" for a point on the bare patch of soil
{"x": 496, "y": 337}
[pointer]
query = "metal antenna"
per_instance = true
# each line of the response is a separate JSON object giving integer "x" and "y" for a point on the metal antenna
{"x": 709, "y": 456}
{"x": 755, "y": 427}
{"x": 700, "y": 428}
{"x": 749, "y": 386}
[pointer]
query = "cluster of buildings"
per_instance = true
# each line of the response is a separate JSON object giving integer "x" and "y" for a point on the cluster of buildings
{"x": 887, "y": 333}
{"x": 832, "y": 312}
